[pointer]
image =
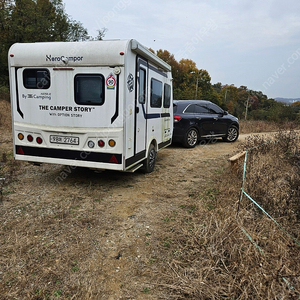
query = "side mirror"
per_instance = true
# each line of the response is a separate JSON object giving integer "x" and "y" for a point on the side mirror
{"x": 225, "y": 112}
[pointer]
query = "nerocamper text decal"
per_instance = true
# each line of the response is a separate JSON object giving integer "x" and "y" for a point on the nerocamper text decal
{"x": 63, "y": 58}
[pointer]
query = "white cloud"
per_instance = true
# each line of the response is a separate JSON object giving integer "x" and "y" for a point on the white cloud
{"x": 236, "y": 41}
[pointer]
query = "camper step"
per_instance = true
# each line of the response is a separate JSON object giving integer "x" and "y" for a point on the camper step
{"x": 134, "y": 168}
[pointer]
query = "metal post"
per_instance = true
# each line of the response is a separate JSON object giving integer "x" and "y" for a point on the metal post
{"x": 196, "y": 89}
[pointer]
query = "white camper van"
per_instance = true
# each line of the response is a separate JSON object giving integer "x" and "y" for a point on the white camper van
{"x": 102, "y": 104}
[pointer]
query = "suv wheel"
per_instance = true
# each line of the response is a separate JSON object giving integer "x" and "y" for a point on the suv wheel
{"x": 191, "y": 138}
{"x": 232, "y": 134}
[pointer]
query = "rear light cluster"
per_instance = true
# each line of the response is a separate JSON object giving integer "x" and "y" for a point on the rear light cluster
{"x": 101, "y": 143}
{"x": 177, "y": 119}
{"x": 91, "y": 144}
{"x": 30, "y": 138}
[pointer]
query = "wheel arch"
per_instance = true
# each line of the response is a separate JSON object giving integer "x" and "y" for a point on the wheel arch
{"x": 236, "y": 124}
{"x": 194, "y": 126}
{"x": 154, "y": 143}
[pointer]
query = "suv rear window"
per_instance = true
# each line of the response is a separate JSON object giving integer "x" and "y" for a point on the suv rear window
{"x": 89, "y": 89}
{"x": 190, "y": 109}
{"x": 199, "y": 109}
{"x": 175, "y": 107}
{"x": 215, "y": 109}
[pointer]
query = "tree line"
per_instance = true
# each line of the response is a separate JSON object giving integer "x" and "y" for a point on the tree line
{"x": 46, "y": 21}
{"x": 189, "y": 82}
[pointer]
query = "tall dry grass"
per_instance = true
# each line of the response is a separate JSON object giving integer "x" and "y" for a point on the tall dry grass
{"x": 5, "y": 117}
{"x": 219, "y": 248}
{"x": 258, "y": 126}
{"x": 4, "y": 93}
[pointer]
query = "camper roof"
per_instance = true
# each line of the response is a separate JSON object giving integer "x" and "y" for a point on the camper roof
{"x": 53, "y": 54}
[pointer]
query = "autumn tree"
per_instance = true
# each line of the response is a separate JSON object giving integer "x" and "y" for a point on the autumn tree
{"x": 189, "y": 82}
{"x": 26, "y": 21}
{"x": 5, "y": 7}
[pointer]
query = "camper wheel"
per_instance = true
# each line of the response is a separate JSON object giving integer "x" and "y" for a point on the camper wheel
{"x": 149, "y": 162}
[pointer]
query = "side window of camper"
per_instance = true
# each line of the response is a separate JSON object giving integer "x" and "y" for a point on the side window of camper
{"x": 142, "y": 86}
{"x": 89, "y": 89}
{"x": 36, "y": 78}
{"x": 156, "y": 93}
{"x": 167, "y": 96}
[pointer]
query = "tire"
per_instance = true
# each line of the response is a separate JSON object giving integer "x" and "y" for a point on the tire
{"x": 149, "y": 162}
{"x": 232, "y": 134}
{"x": 191, "y": 138}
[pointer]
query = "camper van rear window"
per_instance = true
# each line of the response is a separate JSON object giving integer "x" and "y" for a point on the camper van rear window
{"x": 156, "y": 93}
{"x": 167, "y": 96}
{"x": 36, "y": 78}
{"x": 89, "y": 89}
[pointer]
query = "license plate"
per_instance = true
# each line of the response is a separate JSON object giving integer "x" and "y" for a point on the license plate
{"x": 69, "y": 140}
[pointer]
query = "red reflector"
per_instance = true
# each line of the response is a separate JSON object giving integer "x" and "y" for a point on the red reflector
{"x": 113, "y": 160}
{"x": 11, "y": 55}
{"x": 177, "y": 118}
{"x": 29, "y": 138}
{"x": 121, "y": 53}
{"x": 20, "y": 151}
{"x": 39, "y": 140}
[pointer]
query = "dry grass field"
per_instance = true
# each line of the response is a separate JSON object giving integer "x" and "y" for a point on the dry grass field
{"x": 177, "y": 233}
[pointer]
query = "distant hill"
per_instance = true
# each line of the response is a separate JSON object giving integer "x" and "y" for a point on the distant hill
{"x": 287, "y": 100}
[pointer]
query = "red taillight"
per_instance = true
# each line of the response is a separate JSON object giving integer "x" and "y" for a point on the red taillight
{"x": 29, "y": 138}
{"x": 101, "y": 143}
{"x": 177, "y": 118}
{"x": 39, "y": 140}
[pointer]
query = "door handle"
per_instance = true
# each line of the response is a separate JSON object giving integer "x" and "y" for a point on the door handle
{"x": 216, "y": 118}
{"x": 137, "y": 109}
{"x": 198, "y": 118}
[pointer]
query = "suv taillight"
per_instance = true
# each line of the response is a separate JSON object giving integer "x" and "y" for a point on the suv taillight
{"x": 177, "y": 119}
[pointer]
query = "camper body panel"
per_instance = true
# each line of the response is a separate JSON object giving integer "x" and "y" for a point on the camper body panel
{"x": 67, "y": 111}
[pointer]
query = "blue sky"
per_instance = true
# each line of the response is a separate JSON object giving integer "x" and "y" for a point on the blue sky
{"x": 242, "y": 42}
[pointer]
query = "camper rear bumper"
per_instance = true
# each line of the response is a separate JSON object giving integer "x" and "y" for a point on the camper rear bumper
{"x": 86, "y": 147}
{"x": 98, "y": 160}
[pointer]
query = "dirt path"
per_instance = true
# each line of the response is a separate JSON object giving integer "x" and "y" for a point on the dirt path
{"x": 71, "y": 233}
{"x": 97, "y": 231}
